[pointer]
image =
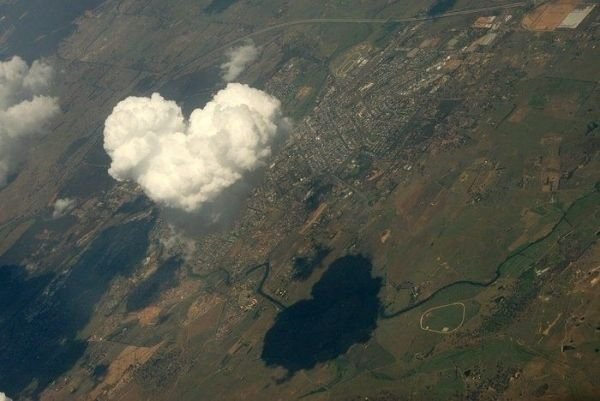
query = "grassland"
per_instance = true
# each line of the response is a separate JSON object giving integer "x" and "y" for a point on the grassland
{"x": 490, "y": 276}
{"x": 444, "y": 319}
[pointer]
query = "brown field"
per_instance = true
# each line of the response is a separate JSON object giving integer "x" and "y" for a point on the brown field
{"x": 117, "y": 377}
{"x": 350, "y": 60}
{"x": 519, "y": 114}
{"x": 407, "y": 199}
{"x": 385, "y": 236}
{"x": 375, "y": 174}
{"x": 547, "y": 17}
{"x": 452, "y": 64}
{"x": 563, "y": 107}
{"x": 551, "y": 164}
{"x": 148, "y": 316}
{"x": 470, "y": 209}
{"x": 531, "y": 229}
{"x": 430, "y": 42}
{"x": 304, "y": 92}
{"x": 314, "y": 218}
{"x": 120, "y": 368}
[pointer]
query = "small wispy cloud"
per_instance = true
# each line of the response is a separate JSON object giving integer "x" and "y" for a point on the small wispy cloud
{"x": 61, "y": 208}
{"x": 238, "y": 59}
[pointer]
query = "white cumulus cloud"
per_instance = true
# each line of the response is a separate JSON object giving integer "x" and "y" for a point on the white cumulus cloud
{"x": 3, "y": 397}
{"x": 183, "y": 163}
{"x": 24, "y": 109}
{"x": 61, "y": 207}
{"x": 238, "y": 60}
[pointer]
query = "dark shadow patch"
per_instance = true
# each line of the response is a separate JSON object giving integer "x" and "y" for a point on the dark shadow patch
{"x": 71, "y": 150}
{"x": 193, "y": 90}
{"x": 149, "y": 290}
{"x": 16, "y": 291}
{"x": 357, "y": 167}
{"x": 37, "y": 239}
{"x": 37, "y": 27}
{"x": 91, "y": 177}
{"x": 99, "y": 372}
{"x": 342, "y": 312}
{"x": 446, "y": 106}
{"x": 317, "y": 194}
{"x": 145, "y": 86}
{"x": 136, "y": 205}
{"x": 25, "y": 247}
{"x": 217, "y": 215}
{"x": 306, "y": 264}
{"x": 40, "y": 317}
{"x": 218, "y": 6}
{"x": 440, "y": 7}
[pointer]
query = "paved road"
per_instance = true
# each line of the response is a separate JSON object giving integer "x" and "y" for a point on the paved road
{"x": 374, "y": 20}
{"x": 362, "y": 21}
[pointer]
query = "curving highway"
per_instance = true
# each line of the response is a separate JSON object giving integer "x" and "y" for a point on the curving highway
{"x": 311, "y": 21}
